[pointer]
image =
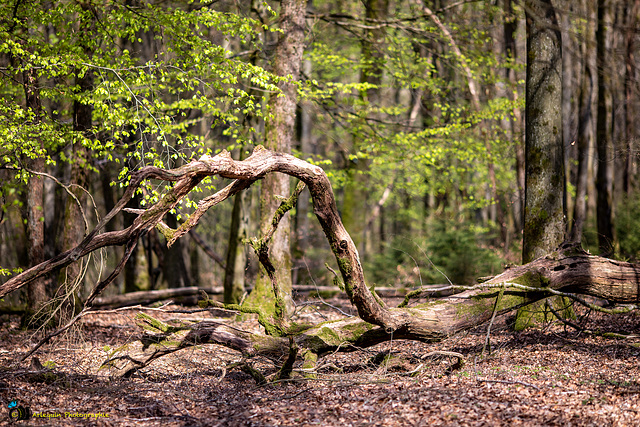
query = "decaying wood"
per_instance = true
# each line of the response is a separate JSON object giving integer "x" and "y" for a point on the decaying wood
{"x": 569, "y": 271}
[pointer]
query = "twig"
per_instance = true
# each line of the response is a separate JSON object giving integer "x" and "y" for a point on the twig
{"x": 458, "y": 365}
{"x": 482, "y": 380}
{"x": 493, "y": 316}
{"x": 318, "y": 292}
{"x": 585, "y": 330}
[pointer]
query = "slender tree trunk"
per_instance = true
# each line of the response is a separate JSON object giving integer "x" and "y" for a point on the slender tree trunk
{"x": 37, "y": 293}
{"x": 568, "y": 94}
{"x": 236, "y": 259}
{"x": 604, "y": 132}
{"x": 279, "y": 133}
{"x": 302, "y": 230}
{"x": 510, "y": 26}
{"x": 630, "y": 112}
{"x": 174, "y": 266}
{"x": 73, "y": 229}
{"x": 355, "y": 204}
{"x": 585, "y": 124}
{"x": 131, "y": 273}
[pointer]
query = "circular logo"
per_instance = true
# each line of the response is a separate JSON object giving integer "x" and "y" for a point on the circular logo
{"x": 18, "y": 413}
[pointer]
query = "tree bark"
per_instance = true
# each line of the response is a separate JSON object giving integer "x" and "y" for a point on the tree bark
{"x": 604, "y": 132}
{"x": 37, "y": 294}
{"x": 545, "y": 186}
{"x": 279, "y": 134}
{"x": 545, "y": 210}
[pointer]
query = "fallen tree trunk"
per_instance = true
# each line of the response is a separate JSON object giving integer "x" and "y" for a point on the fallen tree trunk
{"x": 148, "y": 297}
{"x": 568, "y": 272}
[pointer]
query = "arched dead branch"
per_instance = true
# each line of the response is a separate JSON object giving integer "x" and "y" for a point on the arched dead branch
{"x": 569, "y": 271}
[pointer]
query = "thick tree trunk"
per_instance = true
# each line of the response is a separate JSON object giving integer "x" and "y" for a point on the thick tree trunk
{"x": 545, "y": 186}
{"x": 545, "y": 210}
{"x": 279, "y": 133}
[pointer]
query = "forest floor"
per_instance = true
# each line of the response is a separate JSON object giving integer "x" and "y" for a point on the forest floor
{"x": 543, "y": 376}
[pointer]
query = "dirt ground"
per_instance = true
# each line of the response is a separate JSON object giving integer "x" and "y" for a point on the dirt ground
{"x": 544, "y": 376}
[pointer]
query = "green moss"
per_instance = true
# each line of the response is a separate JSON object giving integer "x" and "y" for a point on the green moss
{"x": 344, "y": 263}
{"x": 166, "y": 231}
{"x": 168, "y": 344}
{"x": 480, "y": 306}
{"x": 428, "y": 305}
{"x": 533, "y": 280}
{"x": 298, "y": 328}
{"x": 329, "y": 336}
{"x": 310, "y": 362}
{"x": 358, "y": 329}
{"x": 154, "y": 325}
{"x": 116, "y": 351}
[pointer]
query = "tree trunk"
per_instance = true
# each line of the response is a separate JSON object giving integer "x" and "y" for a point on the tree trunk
{"x": 37, "y": 294}
{"x": 630, "y": 111}
{"x": 236, "y": 259}
{"x": 544, "y": 186}
{"x": 510, "y": 27}
{"x": 569, "y": 106}
{"x": 301, "y": 227}
{"x": 74, "y": 228}
{"x": 585, "y": 126}
{"x": 279, "y": 133}
{"x": 174, "y": 266}
{"x": 544, "y": 214}
{"x": 604, "y": 132}
{"x": 355, "y": 203}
